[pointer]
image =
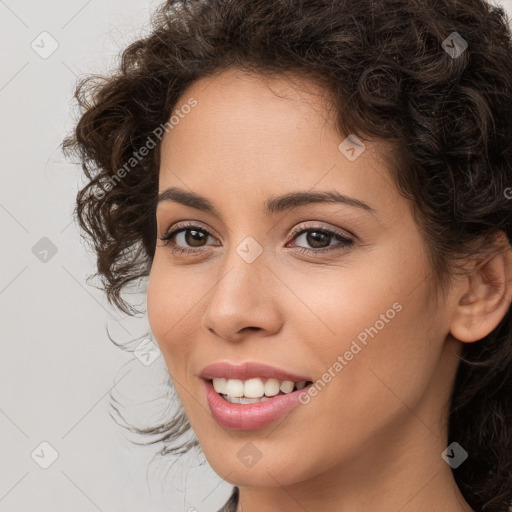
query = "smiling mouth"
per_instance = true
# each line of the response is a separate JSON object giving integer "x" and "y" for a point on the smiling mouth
{"x": 255, "y": 390}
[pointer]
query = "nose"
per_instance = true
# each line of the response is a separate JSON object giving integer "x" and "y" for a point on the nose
{"x": 243, "y": 300}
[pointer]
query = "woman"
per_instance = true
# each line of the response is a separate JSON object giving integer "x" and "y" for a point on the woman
{"x": 319, "y": 195}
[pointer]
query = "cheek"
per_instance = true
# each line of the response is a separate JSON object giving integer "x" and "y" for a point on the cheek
{"x": 376, "y": 336}
{"x": 389, "y": 352}
{"x": 386, "y": 362}
{"x": 170, "y": 306}
{"x": 367, "y": 299}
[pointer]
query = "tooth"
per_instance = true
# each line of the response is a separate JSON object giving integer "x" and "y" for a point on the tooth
{"x": 233, "y": 399}
{"x": 286, "y": 386}
{"x": 234, "y": 388}
{"x": 301, "y": 384}
{"x": 244, "y": 400}
{"x": 220, "y": 385}
{"x": 264, "y": 398}
{"x": 254, "y": 388}
{"x": 271, "y": 387}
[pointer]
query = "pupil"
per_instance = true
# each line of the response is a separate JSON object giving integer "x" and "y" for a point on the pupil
{"x": 195, "y": 236}
{"x": 315, "y": 238}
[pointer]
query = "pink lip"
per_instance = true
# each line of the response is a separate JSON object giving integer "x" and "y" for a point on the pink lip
{"x": 246, "y": 371}
{"x": 250, "y": 416}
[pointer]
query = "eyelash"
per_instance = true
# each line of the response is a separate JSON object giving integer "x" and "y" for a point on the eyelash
{"x": 187, "y": 250}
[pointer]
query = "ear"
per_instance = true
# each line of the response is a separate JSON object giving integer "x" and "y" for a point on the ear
{"x": 486, "y": 295}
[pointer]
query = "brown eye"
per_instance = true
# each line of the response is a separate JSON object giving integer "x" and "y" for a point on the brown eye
{"x": 320, "y": 240}
{"x": 186, "y": 238}
{"x": 194, "y": 237}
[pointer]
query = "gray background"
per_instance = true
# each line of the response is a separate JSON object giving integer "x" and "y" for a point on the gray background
{"x": 58, "y": 365}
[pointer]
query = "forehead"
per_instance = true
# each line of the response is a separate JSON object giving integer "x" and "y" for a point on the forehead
{"x": 251, "y": 136}
{"x": 240, "y": 107}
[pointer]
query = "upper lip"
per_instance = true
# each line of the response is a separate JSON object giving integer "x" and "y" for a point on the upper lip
{"x": 247, "y": 370}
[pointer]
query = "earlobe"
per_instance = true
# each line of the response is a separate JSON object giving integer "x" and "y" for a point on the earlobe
{"x": 486, "y": 295}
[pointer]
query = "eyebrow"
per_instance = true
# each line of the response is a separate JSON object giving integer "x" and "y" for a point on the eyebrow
{"x": 275, "y": 204}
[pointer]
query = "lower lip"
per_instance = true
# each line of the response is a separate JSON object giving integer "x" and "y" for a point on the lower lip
{"x": 250, "y": 416}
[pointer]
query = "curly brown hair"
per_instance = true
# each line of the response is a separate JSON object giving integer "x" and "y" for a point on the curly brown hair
{"x": 445, "y": 109}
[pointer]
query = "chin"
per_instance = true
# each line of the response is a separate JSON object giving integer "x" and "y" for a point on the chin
{"x": 257, "y": 462}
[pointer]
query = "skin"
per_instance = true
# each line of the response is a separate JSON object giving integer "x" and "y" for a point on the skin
{"x": 373, "y": 436}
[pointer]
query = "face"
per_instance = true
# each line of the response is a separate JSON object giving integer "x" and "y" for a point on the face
{"x": 334, "y": 289}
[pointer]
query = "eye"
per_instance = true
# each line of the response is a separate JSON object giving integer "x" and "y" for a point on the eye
{"x": 188, "y": 238}
{"x": 320, "y": 239}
